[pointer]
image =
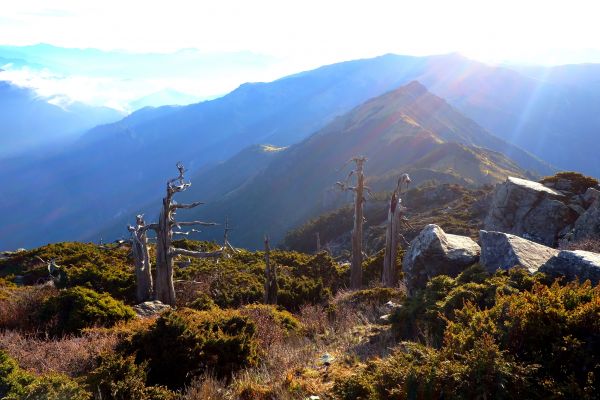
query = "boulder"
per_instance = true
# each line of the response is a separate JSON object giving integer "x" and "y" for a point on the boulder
{"x": 150, "y": 308}
{"x": 587, "y": 225}
{"x": 434, "y": 252}
{"x": 591, "y": 195}
{"x": 574, "y": 264}
{"x": 530, "y": 210}
{"x": 503, "y": 251}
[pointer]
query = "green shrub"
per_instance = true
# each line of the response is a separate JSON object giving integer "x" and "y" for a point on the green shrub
{"x": 77, "y": 308}
{"x": 120, "y": 378}
{"x": 186, "y": 343}
{"x": 13, "y": 380}
{"x": 427, "y": 311}
{"x": 414, "y": 371}
{"x": 104, "y": 269}
{"x": 53, "y": 386}
{"x": 16, "y": 384}
{"x": 302, "y": 279}
{"x": 203, "y": 302}
{"x": 579, "y": 182}
{"x": 281, "y": 318}
{"x": 554, "y": 327}
{"x": 376, "y": 296}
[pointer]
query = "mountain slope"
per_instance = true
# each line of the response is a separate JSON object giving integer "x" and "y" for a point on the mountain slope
{"x": 408, "y": 129}
{"x": 119, "y": 166}
{"x": 30, "y": 121}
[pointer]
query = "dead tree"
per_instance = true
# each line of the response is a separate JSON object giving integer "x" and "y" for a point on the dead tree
{"x": 318, "y": 242}
{"x": 389, "y": 276}
{"x": 226, "y": 245}
{"x": 270, "y": 276}
{"x": 164, "y": 290}
{"x": 141, "y": 260}
{"x": 357, "y": 231}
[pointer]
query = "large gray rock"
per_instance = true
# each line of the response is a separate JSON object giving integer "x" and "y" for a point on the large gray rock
{"x": 434, "y": 252}
{"x": 591, "y": 195}
{"x": 530, "y": 210}
{"x": 587, "y": 225}
{"x": 574, "y": 264}
{"x": 150, "y": 308}
{"x": 503, "y": 251}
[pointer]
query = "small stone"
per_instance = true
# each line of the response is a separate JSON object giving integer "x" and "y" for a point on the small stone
{"x": 150, "y": 308}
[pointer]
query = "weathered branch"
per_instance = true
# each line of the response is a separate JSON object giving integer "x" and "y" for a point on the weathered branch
{"x": 196, "y": 254}
{"x": 191, "y": 205}
{"x": 193, "y": 223}
{"x": 187, "y": 232}
{"x": 144, "y": 228}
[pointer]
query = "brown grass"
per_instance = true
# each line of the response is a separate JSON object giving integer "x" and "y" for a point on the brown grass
{"x": 19, "y": 305}
{"x": 70, "y": 355}
{"x": 585, "y": 244}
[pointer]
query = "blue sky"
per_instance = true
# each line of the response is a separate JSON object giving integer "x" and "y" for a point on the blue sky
{"x": 299, "y": 35}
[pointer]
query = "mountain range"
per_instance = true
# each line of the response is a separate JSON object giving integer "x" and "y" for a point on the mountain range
{"x": 30, "y": 121}
{"x": 405, "y": 130}
{"x": 117, "y": 169}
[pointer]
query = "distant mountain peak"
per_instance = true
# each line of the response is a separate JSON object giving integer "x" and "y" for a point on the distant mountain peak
{"x": 415, "y": 87}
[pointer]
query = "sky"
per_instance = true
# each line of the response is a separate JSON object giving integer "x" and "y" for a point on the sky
{"x": 299, "y": 35}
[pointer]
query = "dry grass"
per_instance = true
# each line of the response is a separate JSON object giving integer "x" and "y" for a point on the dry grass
{"x": 585, "y": 244}
{"x": 71, "y": 355}
{"x": 291, "y": 367}
{"x": 18, "y": 306}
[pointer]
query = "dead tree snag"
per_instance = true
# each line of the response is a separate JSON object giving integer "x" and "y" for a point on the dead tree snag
{"x": 164, "y": 290}
{"x": 389, "y": 276}
{"x": 270, "y": 276}
{"x": 357, "y": 231}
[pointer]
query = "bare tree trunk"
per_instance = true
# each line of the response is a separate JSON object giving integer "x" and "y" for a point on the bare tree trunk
{"x": 270, "y": 276}
{"x": 357, "y": 232}
{"x": 389, "y": 276}
{"x": 164, "y": 290}
{"x": 318, "y": 242}
{"x": 141, "y": 257}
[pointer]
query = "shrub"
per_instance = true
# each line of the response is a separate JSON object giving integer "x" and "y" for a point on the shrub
{"x": 186, "y": 343}
{"x": 416, "y": 371}
{"x": 69, "y": 355}
{"x": 19, "y": 306}
{"x": 579, "y": 183}
{"x": 53, "y": 386}
{"x": 555, "y": 327}
{"x": 280, "y": 318}
{"x": 426, "y": 313}
{"x": 376, "y": 296}
{"x": 16, "y": 384}
{"x": 202, "y": 303}
{"x": 104, "y": 269}
{"x": 77, "y": 308}
{"x": 120, "y": 378}
{"x": 12, "y": 379}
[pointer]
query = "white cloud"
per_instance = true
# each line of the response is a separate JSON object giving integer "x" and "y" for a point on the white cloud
{"x": 323, "y": 31}
{"x": 298, "y": 34}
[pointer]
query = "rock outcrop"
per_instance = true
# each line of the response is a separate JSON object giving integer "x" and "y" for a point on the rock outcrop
{"x": 503, "y": 251}
{"x": 530, "y": 210}
{"x": 150, "y": 308}
{"x": 588, "y": 224}
{"x": 574, "y": 264}
{"x": 433, "y": 252}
